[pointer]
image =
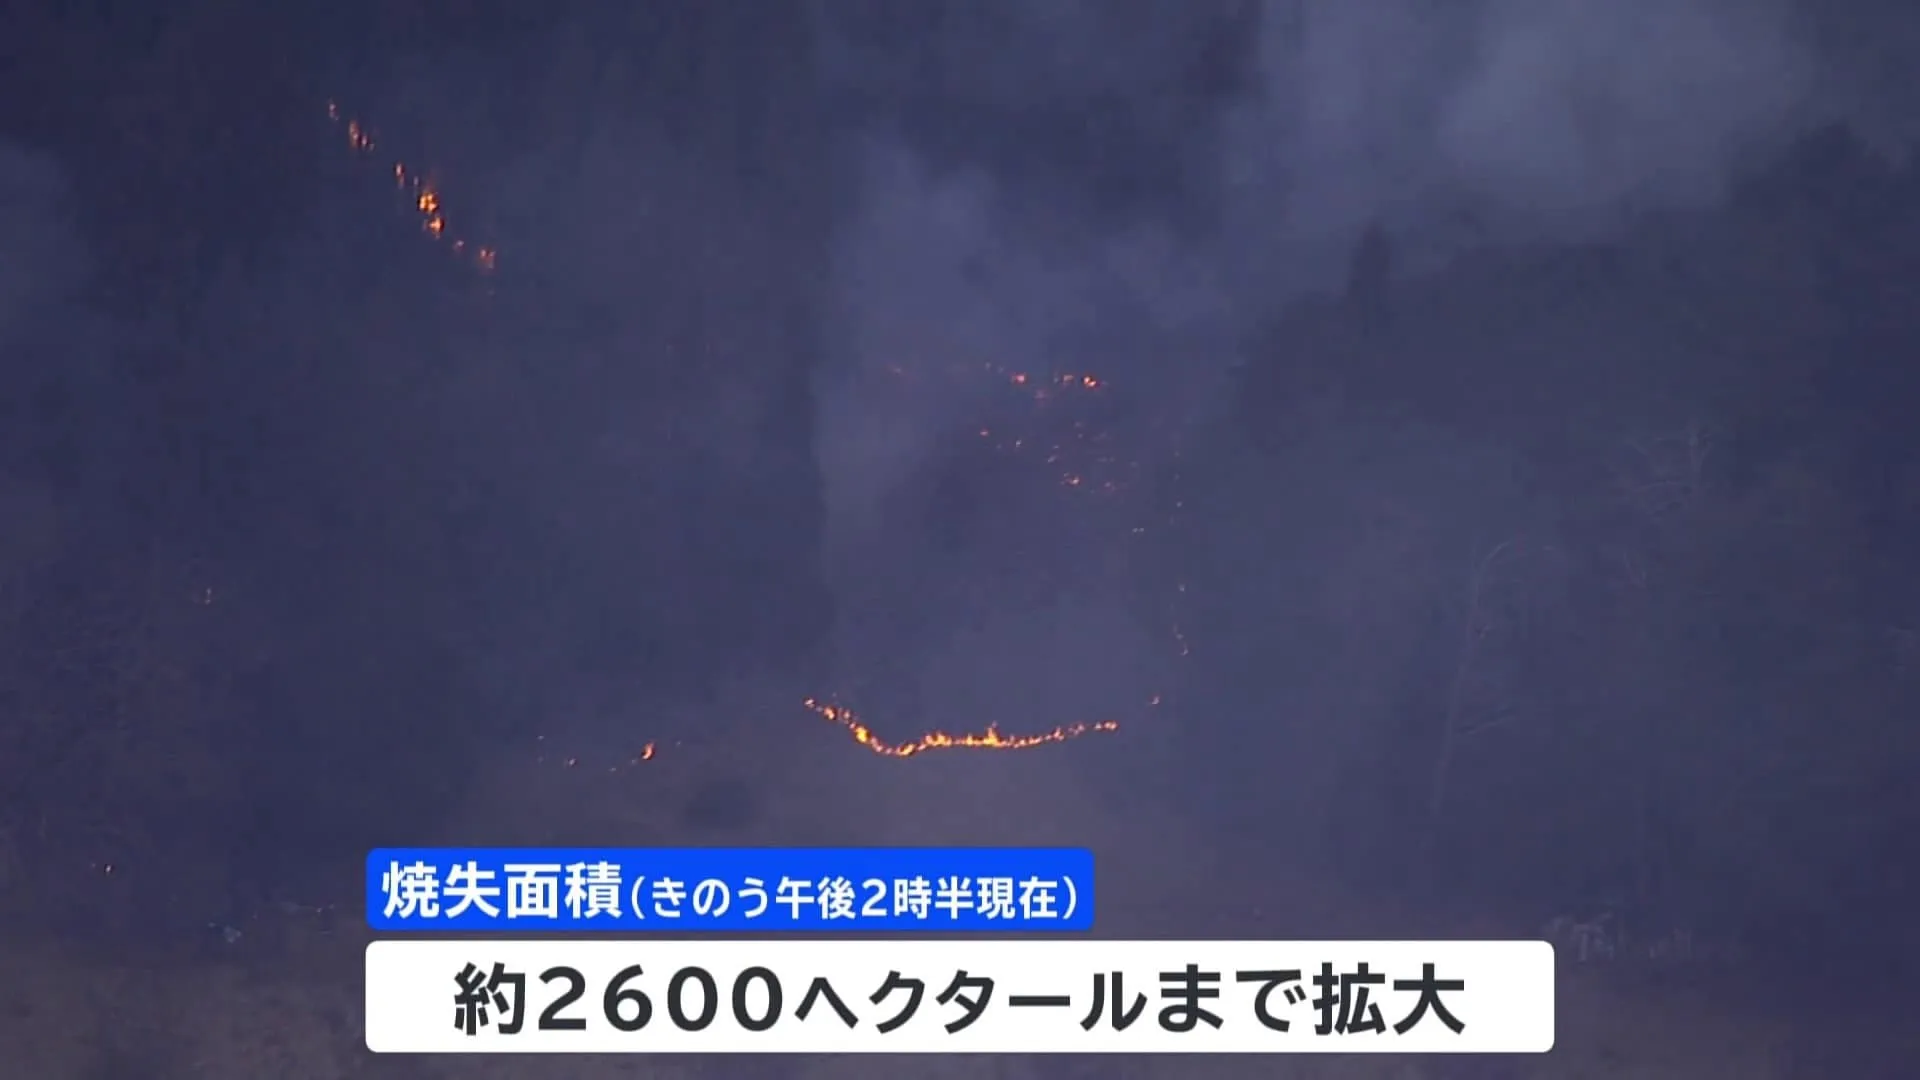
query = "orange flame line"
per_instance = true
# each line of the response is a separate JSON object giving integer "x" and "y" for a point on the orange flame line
{"x": 426, "y": 198}
{"x": 990, "y": 739}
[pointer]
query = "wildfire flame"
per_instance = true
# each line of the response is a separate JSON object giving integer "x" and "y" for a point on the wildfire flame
{"x": 1082, "y": 455}
{"x": 992, "y": 738}
{"x": 1085, "y": 456}
{"x": 423, "y": 194}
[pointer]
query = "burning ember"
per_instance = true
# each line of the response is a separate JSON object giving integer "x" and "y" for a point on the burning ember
{"x": 572, "y": 761}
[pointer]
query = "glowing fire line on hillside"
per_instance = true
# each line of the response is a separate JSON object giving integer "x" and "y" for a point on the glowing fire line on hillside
{"x": 420, "y": 188}
{"x": 1082, "y": 460}
{"x": 991, "y": 738}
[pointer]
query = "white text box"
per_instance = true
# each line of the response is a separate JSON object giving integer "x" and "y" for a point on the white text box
{"x": 958, "y": 996}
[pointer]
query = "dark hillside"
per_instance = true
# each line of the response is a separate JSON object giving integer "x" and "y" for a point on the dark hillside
{"x": 1652, "y": 509}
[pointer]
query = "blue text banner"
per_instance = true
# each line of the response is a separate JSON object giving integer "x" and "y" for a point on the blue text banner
{"x": 682, "y": 890}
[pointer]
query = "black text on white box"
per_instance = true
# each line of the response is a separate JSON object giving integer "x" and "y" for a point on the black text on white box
{"x": 924, "y": 995}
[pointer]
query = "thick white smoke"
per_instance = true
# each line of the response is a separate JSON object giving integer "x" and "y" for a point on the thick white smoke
{"x": 1449, "y": 124}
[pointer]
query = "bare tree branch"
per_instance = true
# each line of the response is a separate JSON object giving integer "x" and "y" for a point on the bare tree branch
{"x": 1667, "y": 473}
{"x": 1480, "y": 618}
